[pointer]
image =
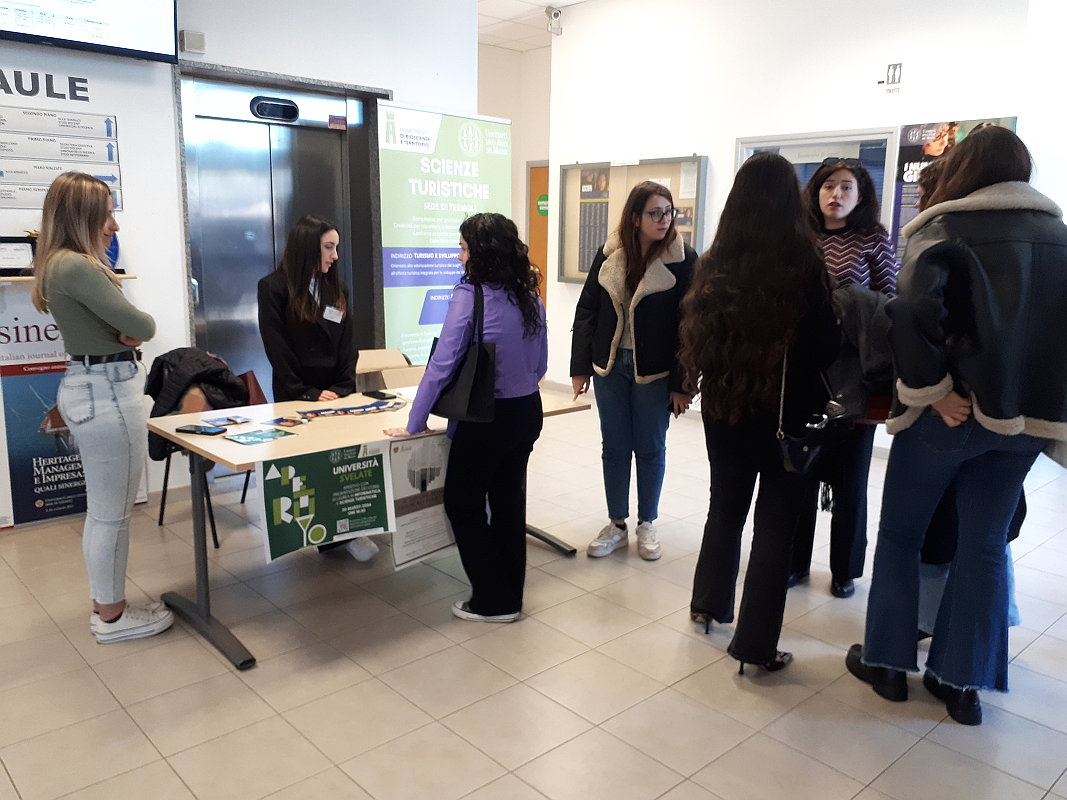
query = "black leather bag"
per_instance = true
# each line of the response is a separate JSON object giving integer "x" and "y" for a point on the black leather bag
{"x": 469, "y": 396}
{"x": 800, "y": 453}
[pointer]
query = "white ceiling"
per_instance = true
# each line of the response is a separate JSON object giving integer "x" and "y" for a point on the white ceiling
{"x": 518, "y": 24}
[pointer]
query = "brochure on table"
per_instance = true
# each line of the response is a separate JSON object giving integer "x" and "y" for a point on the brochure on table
{"x": 394, "y": 486}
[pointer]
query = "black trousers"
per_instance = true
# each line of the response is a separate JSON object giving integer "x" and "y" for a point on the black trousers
{"x": 845, "y": 467}
{"x": 488, "y": 462}
{"x": 738, "y": 454}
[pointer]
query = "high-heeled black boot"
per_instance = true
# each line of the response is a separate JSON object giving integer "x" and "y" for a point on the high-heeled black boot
{"x": 701, "y": 618}
{"x": 780, "y": 661}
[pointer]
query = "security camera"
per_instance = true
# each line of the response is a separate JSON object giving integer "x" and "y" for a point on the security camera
{"x": 554, "y": 14}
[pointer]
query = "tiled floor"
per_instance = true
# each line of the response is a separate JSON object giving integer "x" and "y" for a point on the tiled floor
{"x": 366, "y": 687}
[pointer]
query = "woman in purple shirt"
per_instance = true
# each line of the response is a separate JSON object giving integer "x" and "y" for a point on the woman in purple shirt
{"x": 488, "y": 459}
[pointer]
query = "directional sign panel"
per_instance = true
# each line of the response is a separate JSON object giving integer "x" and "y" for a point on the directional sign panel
{"x": 36, "y": 145}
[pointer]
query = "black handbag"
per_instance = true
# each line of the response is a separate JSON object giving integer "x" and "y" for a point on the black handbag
{"x": 800, "y": 453}
{"x": 469, "y": 395}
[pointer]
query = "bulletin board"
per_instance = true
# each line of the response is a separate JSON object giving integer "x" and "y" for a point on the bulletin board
{"x": 592, "y": 197}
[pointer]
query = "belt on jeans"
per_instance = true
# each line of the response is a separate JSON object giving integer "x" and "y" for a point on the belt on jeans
{"x": 125, "y": 355}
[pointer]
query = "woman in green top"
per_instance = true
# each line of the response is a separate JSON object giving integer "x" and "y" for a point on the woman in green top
{"x": 101, "y": 395}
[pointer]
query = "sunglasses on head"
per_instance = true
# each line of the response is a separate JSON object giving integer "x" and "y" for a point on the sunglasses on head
{"x": 848, "y": 162}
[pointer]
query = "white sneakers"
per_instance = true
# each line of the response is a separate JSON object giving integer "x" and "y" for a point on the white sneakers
{"x": 647, "y": 544}
{"x": 462, "y": 610}
{"x": 362, "y": 548}
{"x": 605, "y": 543}
{"x": 136, "y": 622}
{"x": 613, "y": 537}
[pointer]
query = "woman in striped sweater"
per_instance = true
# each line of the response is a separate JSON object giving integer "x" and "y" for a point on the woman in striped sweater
{"x": 843, "y": 210}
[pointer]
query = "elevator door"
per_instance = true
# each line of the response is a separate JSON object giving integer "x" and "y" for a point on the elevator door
{"x": 248, "y": 182}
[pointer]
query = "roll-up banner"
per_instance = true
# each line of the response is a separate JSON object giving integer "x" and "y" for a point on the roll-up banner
{"x": 435, "y": 171}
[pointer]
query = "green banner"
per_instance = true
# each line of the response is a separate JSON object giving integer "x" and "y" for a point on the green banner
{"x": 435, "y": 171}
{"x": 323, "y": 497}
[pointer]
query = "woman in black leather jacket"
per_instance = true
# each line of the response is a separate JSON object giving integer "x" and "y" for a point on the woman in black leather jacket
{"x": 982, "y": 389}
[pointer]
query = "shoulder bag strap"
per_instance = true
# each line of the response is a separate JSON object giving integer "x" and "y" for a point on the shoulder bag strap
{"x": 781, "y": 396}
{"x": 479, "y": 302}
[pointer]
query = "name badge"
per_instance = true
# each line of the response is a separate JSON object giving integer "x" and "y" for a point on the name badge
{"x": 332, "y": 314}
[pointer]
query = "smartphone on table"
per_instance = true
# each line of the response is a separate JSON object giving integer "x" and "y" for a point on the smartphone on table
{"x": 378, "y": 395}
{"x": 203, "y": 430}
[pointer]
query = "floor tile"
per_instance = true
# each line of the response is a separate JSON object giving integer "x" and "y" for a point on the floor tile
{"x": 93, "y": 750}
{"x": 156, "y": 781}
{"x": 595, "y": 686}
{"x": 447, "y": 681}
{"x": 161, "y": 669}
{"x": 761, "y": 768}
{"x": 507, "y": 788}
{"x": 1047, "y": 655}
{"x": 52, "y": 702}
{"x": 930, "y": 770}
{"x": 283, "y": 680}
{"x": 597, "y": 764}
{"x": 858, "y": 744}
{"x": 677, "y": 731}
{"x": 329, "y": 785}
{"x": 272, "y": 634}
{"x": 414, "y": 586}
{"x": 193, "y": 714}
{"x": 332, "y": 615}
{"x": 544, "y": 591}
{"x": 1010, "y": 743}
{"x": 32, "y": 659}
{"x": 648, "y": 595}
{"x": 1034, "y": 696}
{"x": 516, "y": 725}
{"x": 525, "y": 648}
{"x": 249, "y": 763}
{"x": 349, "y": 722}
{"x": 448, "y": 767}
{"x": 589, "y": 573}
{"x": 689, "y": 791}
{"x": 591, "y": 619}
{"x": 390, "y": 643}
{"x": 661, "y": 653}
{"x": 756, "y": 698}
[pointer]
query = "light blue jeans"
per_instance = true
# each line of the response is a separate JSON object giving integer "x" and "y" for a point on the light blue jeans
{"x": 103, "y": 406}
{"x": 633, "y": 424}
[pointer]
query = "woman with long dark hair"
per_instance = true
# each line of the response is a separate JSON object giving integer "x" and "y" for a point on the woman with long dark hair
{"x": 982, "y": 389}
{"x": 843, "y": 212}
{"x": 487, "y": 460}
{"x": 306, "y": 325}
{"x": 757, "y": 329}
{"x": 625, "y": 338}
{"x": 101, "y": 396}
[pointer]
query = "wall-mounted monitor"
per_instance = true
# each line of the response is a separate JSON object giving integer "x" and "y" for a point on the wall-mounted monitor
{"x": 142, "y": 29}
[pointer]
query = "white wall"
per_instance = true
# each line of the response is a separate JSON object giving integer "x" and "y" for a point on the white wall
{"x": 517, "y": 86}
{"x": 424, "y": 50}
{"x": 631, "y": 81}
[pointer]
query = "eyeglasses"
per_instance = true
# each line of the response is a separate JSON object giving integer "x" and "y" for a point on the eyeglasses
{"x": 657, "y": 214}
{"x": 848, "y": 162}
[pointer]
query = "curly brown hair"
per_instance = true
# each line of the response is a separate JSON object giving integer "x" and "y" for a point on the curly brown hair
{"x": 749, "y": 291}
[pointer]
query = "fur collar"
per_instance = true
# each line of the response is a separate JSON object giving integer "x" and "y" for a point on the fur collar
{"x": 1007, "y": 196}
{"x": 612, "y": 279}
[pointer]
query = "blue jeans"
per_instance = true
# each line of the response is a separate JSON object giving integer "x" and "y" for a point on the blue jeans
{"x": 103, "y": 406}
{"x": 633, "y": 424}
{"x": 970, "y": 645}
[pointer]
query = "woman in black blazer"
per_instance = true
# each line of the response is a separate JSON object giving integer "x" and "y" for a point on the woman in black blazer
{"x": 306, "y": 326}
{"x": 304, "y": 318}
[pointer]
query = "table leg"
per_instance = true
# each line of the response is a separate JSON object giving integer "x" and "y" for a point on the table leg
{"x": 198, "y": 614}
{"x": 550, "y": 540}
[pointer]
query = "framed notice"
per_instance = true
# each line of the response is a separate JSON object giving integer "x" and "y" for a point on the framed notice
{"x": 592, "y": 197}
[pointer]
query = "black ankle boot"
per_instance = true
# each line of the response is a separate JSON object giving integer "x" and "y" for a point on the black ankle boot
{"x": 891, "y": 684}
{"x": 962, "y": 705}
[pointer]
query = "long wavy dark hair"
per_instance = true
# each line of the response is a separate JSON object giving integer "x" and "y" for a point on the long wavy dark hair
{"x": 987, "y": 155}
{"x": 749, "y": 291}
{"x": 301, "y": 261}
{"x": 636, "y": 262}
{"x": 864, "y": 218}
{"x": 499, "y": 256}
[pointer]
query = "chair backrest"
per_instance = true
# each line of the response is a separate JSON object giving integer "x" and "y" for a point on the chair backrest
{"x": 402, "y": 376}
{"x": 255, "y": 391}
